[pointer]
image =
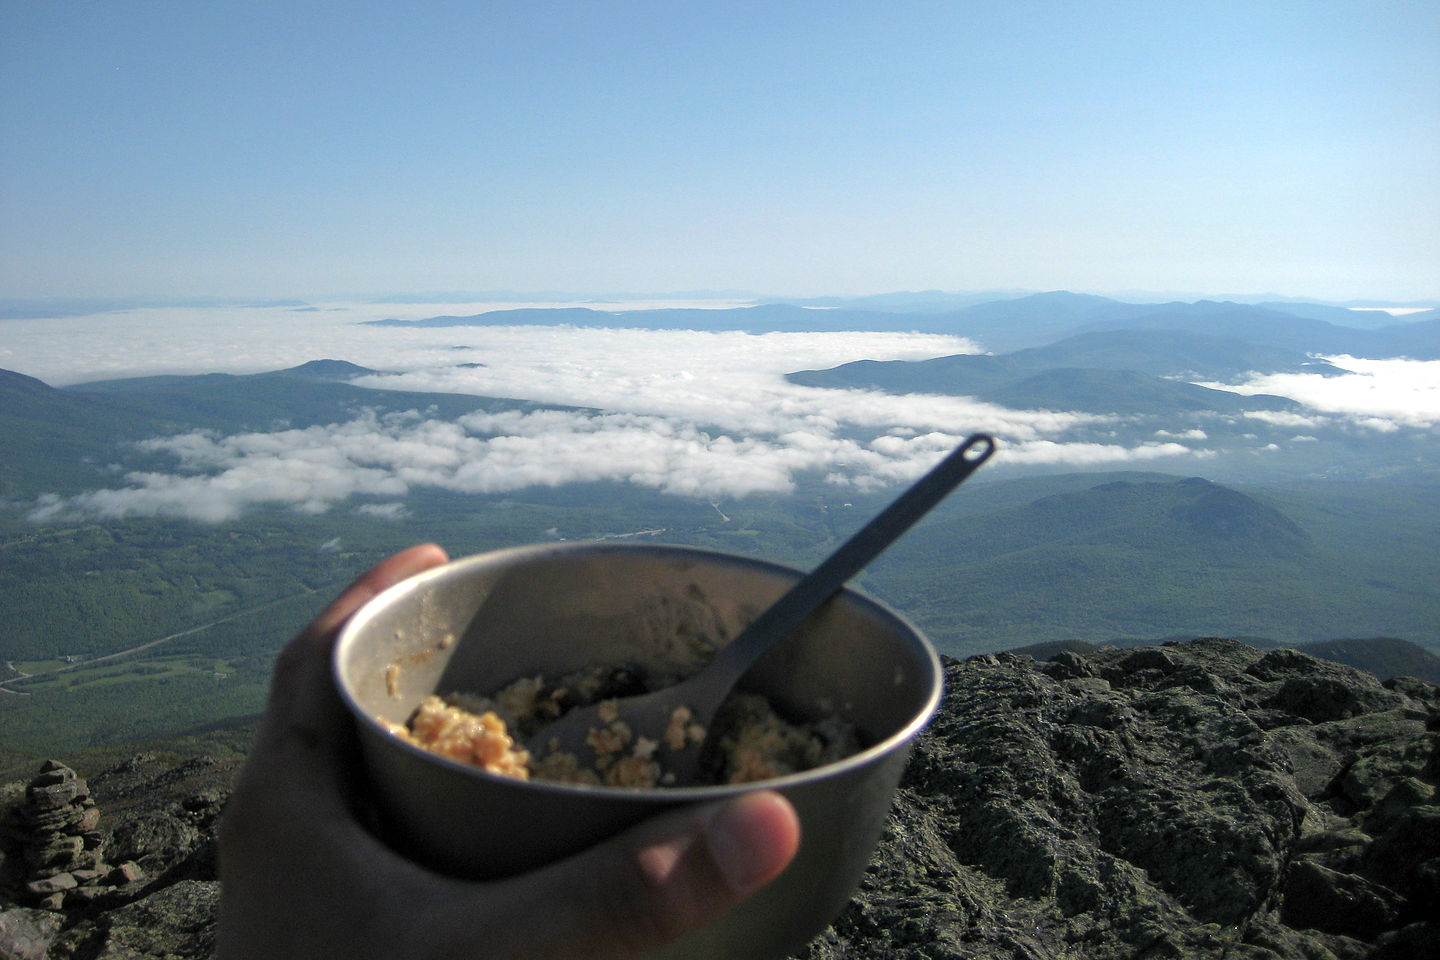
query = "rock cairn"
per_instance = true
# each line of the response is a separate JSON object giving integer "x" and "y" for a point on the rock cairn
{"x": 61, "y": 849}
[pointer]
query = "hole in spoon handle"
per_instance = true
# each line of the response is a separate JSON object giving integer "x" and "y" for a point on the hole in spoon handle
{"x": 977, "y": 449}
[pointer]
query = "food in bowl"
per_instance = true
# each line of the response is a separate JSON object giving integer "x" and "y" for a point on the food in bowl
{"x": 752, "y": 740}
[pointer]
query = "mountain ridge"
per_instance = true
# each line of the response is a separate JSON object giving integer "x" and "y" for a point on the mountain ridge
{"x": 63, "y": 437}
{"x": 1124, "y": 371}
{"x": 1149, "y": 559}
{"x": 1000, "y": 325}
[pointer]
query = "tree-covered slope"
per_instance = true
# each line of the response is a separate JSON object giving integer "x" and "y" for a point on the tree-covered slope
{"x": 66, "y": 439}
{"x": 1154, "y": 559}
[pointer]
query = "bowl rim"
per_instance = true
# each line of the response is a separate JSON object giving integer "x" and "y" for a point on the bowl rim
{"x": 355, "y": 623}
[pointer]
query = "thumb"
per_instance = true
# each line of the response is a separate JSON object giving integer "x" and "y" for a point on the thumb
{"x": 653, "y": 884}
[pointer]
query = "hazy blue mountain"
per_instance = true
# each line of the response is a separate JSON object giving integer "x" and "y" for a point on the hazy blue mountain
{"x": 26, "y": 397}
{"x": 1169, "y": 353}
{"x": 1273, "y": 328}
{"x": 1385, "y": 657}
{"x": 1238, "y": 321}
{"x": 1124, "y": 372}
{"x": 540, "y": 316}
{"x": 770, "y": 318}
{"x": 998, "y": 325}
{"x": 1043, "y": 318}
{"x": 918, "y": 301}
{"x": 764, "y": 318}
{"x": 1191, "y": 517}
{"x": 965, "y": 374}
{"x": 1340, "y": 316}
{"x": 1038, "y": 319}
{"x": 1416, "y": 339}
{"x": 1125, "y": 392}
{"x": 324, "y": 370}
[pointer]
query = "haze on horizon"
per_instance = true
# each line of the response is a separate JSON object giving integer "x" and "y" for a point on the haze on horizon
{"x": 265, "y": 150}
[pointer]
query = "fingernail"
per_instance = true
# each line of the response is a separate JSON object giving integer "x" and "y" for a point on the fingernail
{"x": 751, "y": 839}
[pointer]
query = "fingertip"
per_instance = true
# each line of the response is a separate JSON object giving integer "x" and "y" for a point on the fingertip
{"x": 429, "y": 553}
{"x": 386, "y": 573}
{"x": 752, "y": 839}
{"x": 404, "y": 564}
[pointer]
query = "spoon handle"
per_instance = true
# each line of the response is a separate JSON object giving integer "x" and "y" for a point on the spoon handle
{"x": 852, "y": 556}
{"x": 650, "y": 713}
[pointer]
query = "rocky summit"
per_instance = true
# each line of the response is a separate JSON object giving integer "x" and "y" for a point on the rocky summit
{"x": 1204, "y": 799}
{"x": 1195, "y": 800}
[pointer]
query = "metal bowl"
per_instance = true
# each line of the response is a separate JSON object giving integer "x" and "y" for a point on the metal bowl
{"x": 477, "y": 623}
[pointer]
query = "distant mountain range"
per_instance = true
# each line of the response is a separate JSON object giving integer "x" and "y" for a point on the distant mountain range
{"x": 1030, "y": 321}
{"x": 1123, "y": 371}
{"x": 1364, "y": 314}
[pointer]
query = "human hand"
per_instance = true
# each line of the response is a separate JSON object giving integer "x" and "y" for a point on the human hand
{"x": 302, "y": 879}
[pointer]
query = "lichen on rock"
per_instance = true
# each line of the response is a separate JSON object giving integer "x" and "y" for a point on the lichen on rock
{"x": 1194, "y": 800}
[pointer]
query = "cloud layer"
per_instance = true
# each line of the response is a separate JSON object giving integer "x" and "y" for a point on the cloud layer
{"x": 1385, "y": 394}
{"x": 685, "y": 412}
{"x": 384, "y": 458}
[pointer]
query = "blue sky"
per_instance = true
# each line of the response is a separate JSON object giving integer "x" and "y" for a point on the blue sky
{"x": 312, "y": 150}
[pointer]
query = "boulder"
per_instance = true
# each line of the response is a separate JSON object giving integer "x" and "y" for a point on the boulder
{"x": 26, "y": 934}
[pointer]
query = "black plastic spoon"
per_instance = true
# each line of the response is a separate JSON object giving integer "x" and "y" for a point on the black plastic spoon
{"x": 649, "y": 714}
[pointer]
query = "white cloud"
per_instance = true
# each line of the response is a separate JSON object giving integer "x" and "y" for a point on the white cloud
{"x": 316, "y": 468}
{"x": 385, "y": 511}
{"x": 1092, "y": 454}
{"x": 1286, "y": 418}
{"x": 1379, "y": 394}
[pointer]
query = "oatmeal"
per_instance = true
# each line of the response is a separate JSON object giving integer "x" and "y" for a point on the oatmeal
{"x": 751, "y": 742}
{"x": 454, "y": 732}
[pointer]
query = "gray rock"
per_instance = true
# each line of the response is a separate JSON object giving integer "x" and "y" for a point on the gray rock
{"x": 26, "y": 934}
{"x": 1206, "y": 801}
{"x": 54, "y": 883}
{"x": 1319, "y": 898}
{"x": 128, "y": 872}
{"x": 177, "y": 921}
